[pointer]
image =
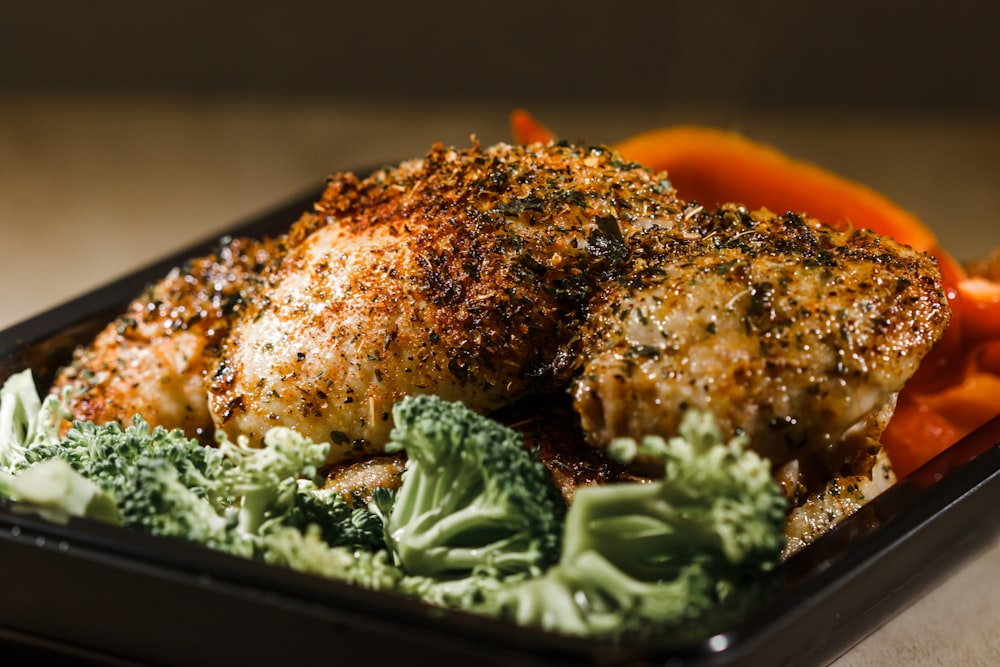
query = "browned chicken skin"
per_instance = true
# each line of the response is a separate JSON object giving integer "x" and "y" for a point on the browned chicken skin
{"x": 155, "y": 359}
{"x": 463, "y": 274}
{"x": 502, "y": 274}
{"x": 787, "y": 330}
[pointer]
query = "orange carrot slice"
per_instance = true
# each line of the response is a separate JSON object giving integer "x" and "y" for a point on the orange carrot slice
{"x": 714, "y": 166}
{"x": 527, "y": 130}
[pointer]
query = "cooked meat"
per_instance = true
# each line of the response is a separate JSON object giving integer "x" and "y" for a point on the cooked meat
{"x": 838, "y": 497}
{"x": 550, "y": 426}
{"x": 462, "y": 274}
{"x": 792, "y": 332}
{"x": 492, "y": 275}
{"x": 357, "y": 480}
{"x": 154, "y": 359}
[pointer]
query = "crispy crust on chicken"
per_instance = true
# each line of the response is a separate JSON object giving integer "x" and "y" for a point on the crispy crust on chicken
{"x": 507, "y": 276}
{"x": 156, "y": 358}
{"x": 794, "y": 333}
{"x": 462, "y": 274}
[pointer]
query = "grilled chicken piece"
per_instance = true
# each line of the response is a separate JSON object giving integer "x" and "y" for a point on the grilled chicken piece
{"x": 795, "y": 333}
{"x": 489, "y": 275}
{"x": 357, "y": 480}
{"x": 462, "y": 274}
{"x": 154, "y": 359}
{"x": 829, "y": 502}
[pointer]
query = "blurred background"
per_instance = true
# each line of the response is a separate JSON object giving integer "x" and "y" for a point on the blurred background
{"x": 129, "y": 130}
{"x": 149, "y": 124}
{"x": 913, "y": 57}
{"x": 137, "y": 128}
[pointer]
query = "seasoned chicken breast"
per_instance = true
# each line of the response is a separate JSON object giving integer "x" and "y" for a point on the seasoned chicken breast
{"x": 556, "y": 287}
{"x": 792, "y": 332}
{"x": 156, "y": 358}
{"x": 462, "y": 274}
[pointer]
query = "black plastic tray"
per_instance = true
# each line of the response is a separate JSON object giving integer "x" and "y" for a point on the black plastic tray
{"x": 89, "y": 592}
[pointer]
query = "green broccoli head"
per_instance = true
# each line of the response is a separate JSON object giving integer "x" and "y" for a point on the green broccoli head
{"x": 26, "y": 420}
{"x": 474, "y": 497}
{"x": 640, "y": 556}
{"x": 339, "y": 523}
{"x": 157, "y": 499}
{"x": 108, "y": 453}
{"x": 57, "y": 491}
{"x": 717, "y": 497}
{"x": 266, "y": 479}
{"x": 163, "y": 482}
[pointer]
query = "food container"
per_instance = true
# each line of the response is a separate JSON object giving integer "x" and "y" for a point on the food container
{"x": 90, "y": 592}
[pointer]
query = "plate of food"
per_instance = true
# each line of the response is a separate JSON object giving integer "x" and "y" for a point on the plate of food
{"x": 681, "y": 400}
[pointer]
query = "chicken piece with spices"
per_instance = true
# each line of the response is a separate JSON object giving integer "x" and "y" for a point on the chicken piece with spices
{"x": 495, "y": 275}
{"x": 462, "y": 274}
{"x": 792, "y": 332}
{"x": 155, "y": 359}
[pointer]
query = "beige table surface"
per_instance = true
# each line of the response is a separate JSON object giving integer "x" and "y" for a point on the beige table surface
{"x": 91, "y": 189}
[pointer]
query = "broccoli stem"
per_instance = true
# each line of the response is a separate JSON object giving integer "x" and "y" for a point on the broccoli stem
{"x": 253, "y": 510}
{"x": 461, "y": 540}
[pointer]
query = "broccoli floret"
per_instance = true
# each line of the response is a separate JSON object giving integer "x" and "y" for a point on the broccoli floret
{"x": 26, "y": 420}
{"x": 266, "y": 479}
{"x": 339, "y": 523}
{"x": 158, "y": 498}
{"x": 474, "y": 498}
{"x": 637, "y": 556}
{"x": 161, "y": 482}
{"x": 57, "y": 491}
{"x": 108, "y": 454}
{"x": 308, "y": 551}
{"x": 230, "y": 498}
{"x": 717, "y": 497}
